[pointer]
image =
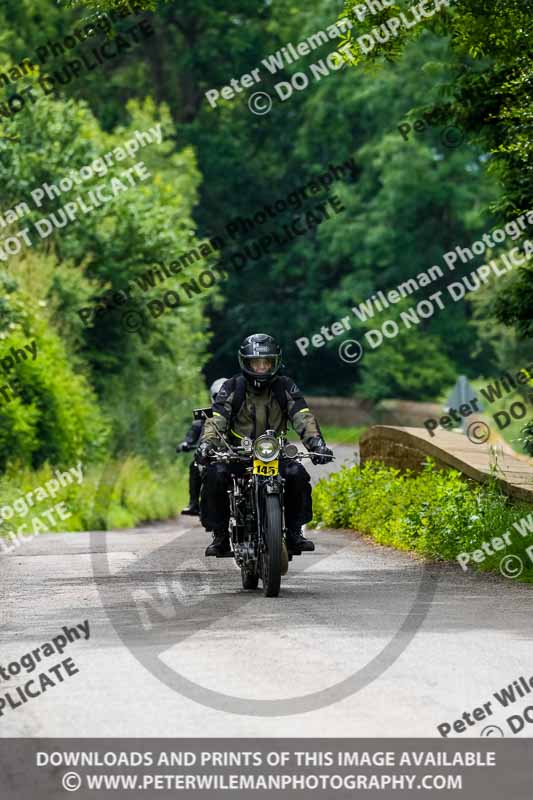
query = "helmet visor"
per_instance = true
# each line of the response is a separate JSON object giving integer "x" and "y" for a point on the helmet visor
{"x": 261, "y": 365}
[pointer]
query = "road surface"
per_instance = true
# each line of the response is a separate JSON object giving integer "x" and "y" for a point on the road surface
{"x": 356, "y": 644}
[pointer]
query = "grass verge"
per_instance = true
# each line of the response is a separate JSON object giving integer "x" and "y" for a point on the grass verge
{"x": 338, "y": 435}
{"x": 139, "y": 494}
{"x": 334, "y": 434}
{"x": 435, "y": 513}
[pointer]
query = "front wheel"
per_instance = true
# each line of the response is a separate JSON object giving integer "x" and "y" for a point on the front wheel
{"x": 271, "y": 558}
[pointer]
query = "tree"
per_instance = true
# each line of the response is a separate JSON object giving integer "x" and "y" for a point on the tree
{"x": 145, "y": 381}
{"x": 491, "y": 87}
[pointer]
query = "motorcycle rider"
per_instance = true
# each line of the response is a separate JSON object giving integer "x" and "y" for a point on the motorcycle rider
{"x": 189, "y": 443}
{"x": 247, "y": 405}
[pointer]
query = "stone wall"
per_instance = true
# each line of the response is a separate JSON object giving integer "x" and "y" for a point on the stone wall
{"x": 394, "y": 454}
{"x": 343, "y": 411}
{"x": 349, "y": 411}
{"x": 407, "y": 448}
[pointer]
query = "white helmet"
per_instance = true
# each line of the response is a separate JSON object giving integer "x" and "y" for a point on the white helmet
{"x": 215, "y": 388}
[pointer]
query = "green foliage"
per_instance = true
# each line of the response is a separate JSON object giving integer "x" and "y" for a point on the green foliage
{"x": 56, "y": 418}
{"x": 342, "y": 435}
{"x": 513, "y": 433}
{"x": 435, "y": 513}
{"x": 102, "y": 391}
{"x": 410, "y": 202}
{"x": 527, "y": 438}
{"x": 411, "y": 366}
{"x": 515, "y": 307}
{"x": 488, "y": 75}
{"x": 138, "y": 494}
{"x": 145, "y": 381}
{"x": 507, "y": 344}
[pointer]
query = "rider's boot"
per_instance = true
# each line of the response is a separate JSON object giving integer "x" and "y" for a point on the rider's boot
{"x": 220, "y": 544}
{"x": 195, "y": 484}
{"x": 192, "y": 510}
{"x": 297, "y": 543}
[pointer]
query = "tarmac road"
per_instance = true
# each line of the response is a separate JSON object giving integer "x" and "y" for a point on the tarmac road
{"x": 177, "y": 648}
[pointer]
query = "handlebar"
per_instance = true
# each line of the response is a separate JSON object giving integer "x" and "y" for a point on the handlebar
{"x": 238, "y": 453}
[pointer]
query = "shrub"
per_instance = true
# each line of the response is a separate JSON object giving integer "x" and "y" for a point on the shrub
{"x": 55, "y": 416}
{"x": 435, "y": 513}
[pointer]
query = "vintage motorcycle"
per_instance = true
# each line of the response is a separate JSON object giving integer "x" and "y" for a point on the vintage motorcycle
{"x": 257, "y": 525}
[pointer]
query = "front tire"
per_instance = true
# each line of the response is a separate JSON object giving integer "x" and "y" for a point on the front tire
{"x": 271, "y": 558}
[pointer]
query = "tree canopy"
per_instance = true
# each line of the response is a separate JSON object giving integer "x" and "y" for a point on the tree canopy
{"x": 413, "y": 193}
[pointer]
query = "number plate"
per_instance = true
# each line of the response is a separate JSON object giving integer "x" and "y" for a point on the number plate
{"x": 263, "y": 468}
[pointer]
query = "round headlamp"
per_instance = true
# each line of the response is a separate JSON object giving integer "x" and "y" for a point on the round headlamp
{"x": 266, "y": 448}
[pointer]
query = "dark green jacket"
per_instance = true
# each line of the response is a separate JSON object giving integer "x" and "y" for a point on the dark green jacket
{"x": 260, "y": 411}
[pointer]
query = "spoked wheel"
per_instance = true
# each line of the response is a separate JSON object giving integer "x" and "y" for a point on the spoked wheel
{"x": 271, "y": 558}
{"x": 249, "y": 579}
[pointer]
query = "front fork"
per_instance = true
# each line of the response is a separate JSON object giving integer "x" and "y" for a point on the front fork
{"x": 263, "y": 486}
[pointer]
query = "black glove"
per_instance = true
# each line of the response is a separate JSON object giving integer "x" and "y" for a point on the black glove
{"x": 318, "y": 446}
{"x": 184, "y": 447}
{"x": 204, "y": 453}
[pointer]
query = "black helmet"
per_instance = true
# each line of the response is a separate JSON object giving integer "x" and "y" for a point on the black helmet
{"x": 259, "y": 358}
